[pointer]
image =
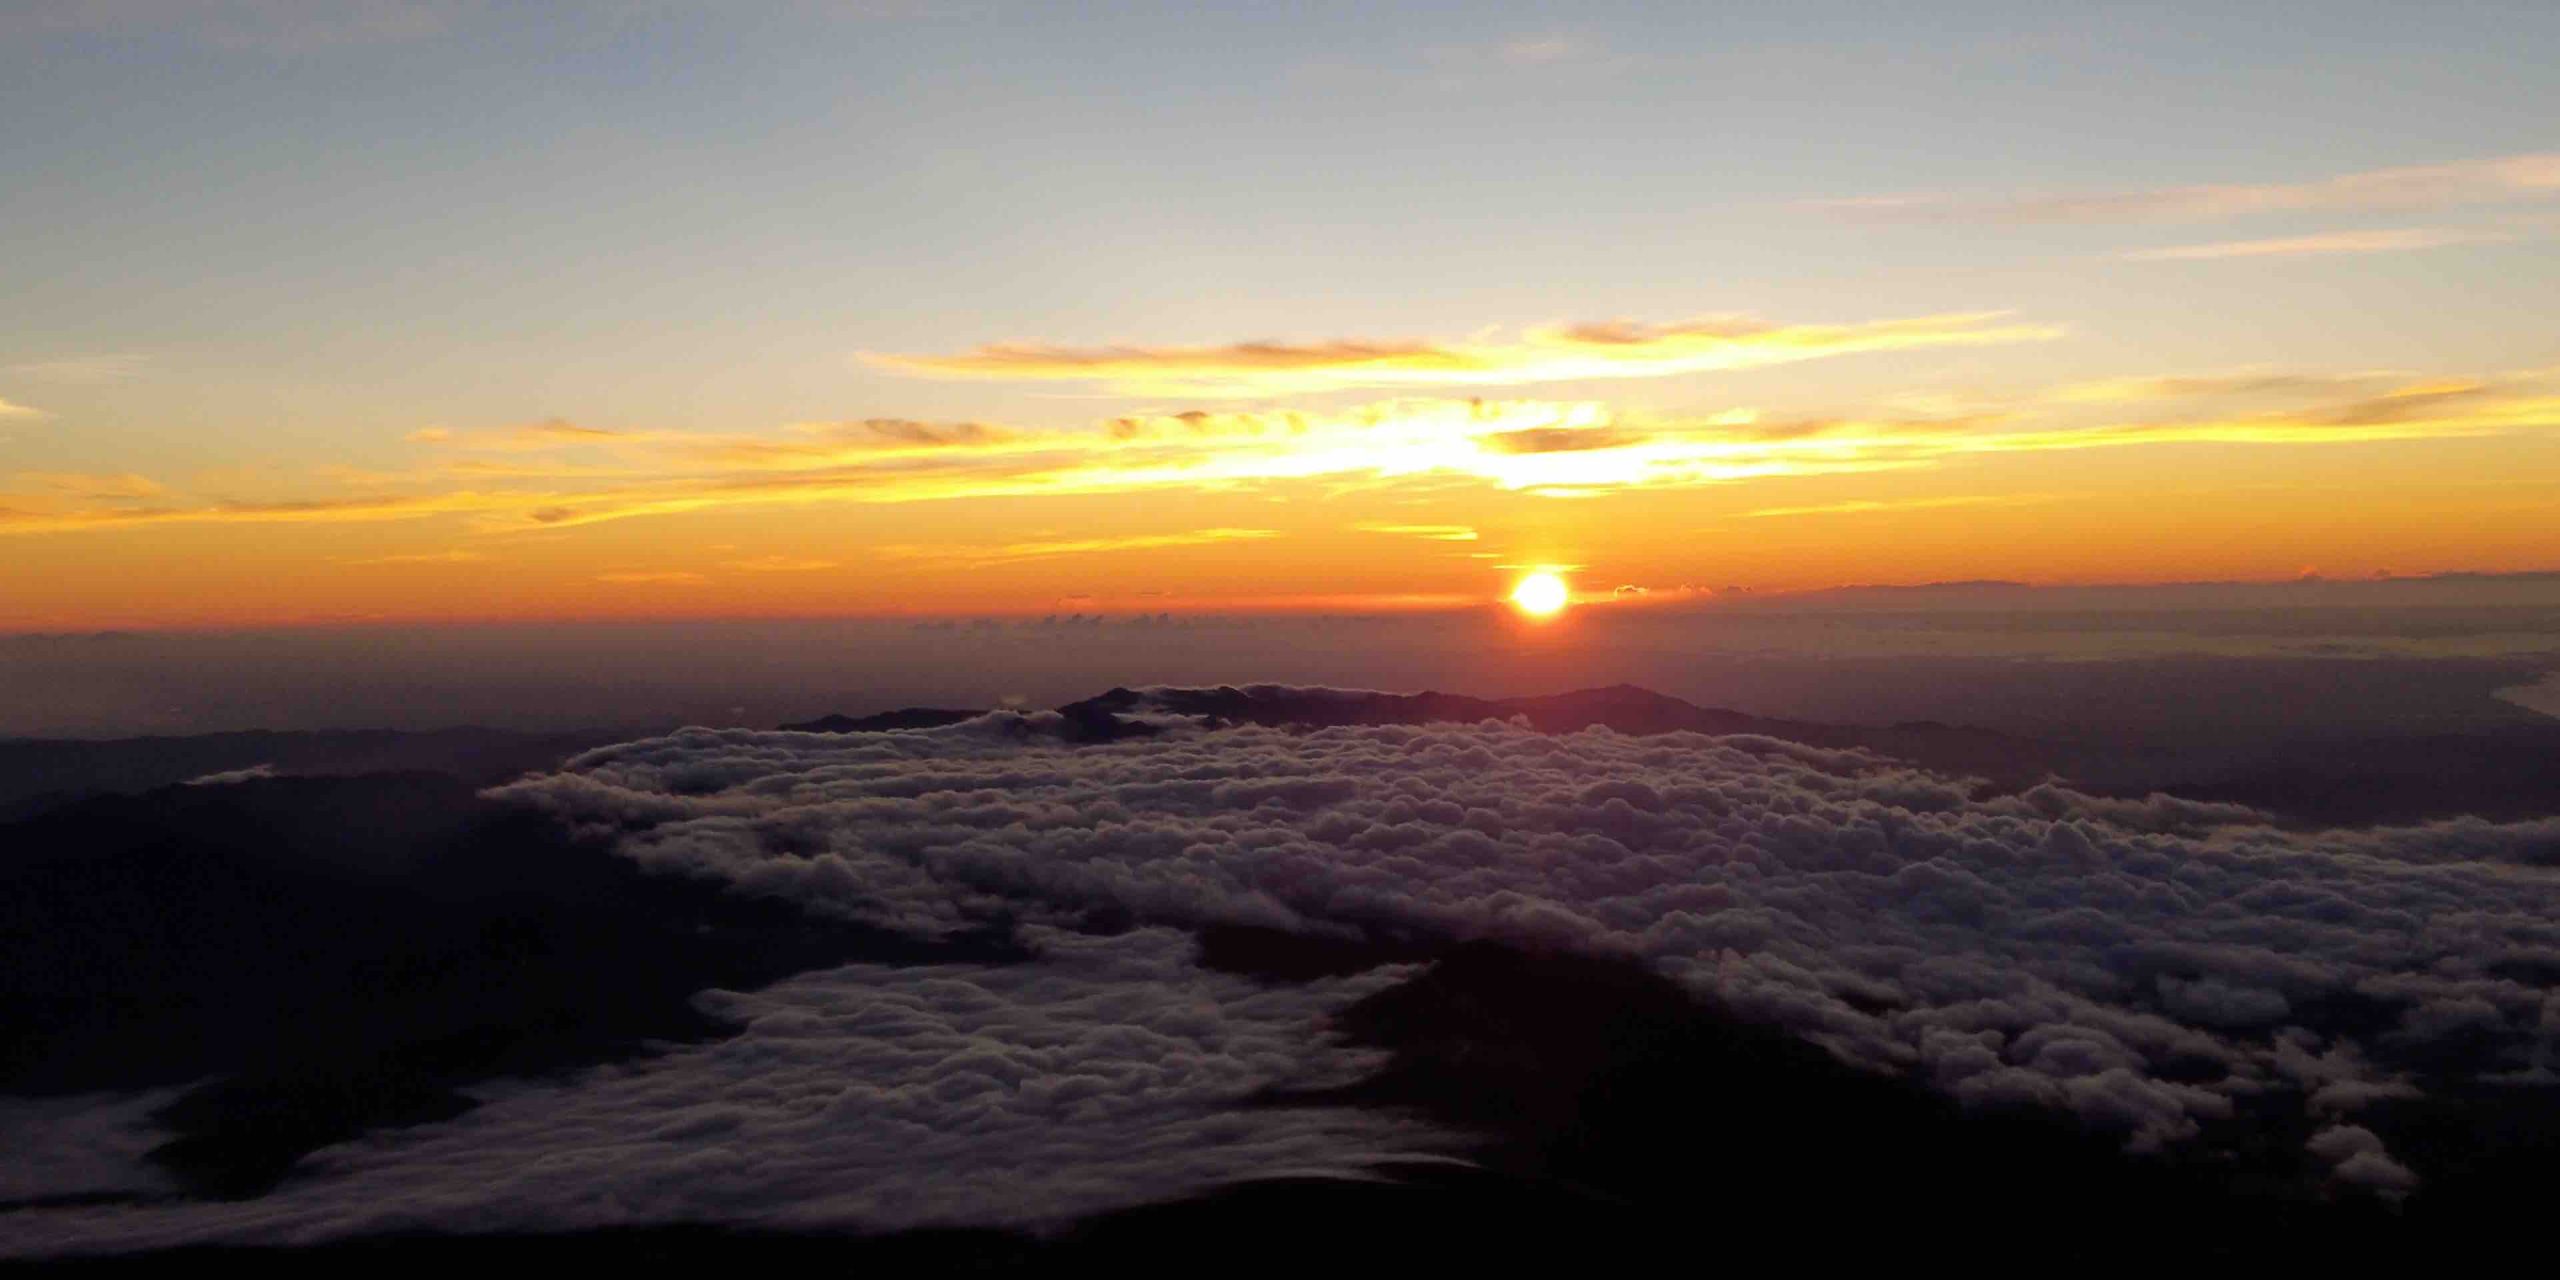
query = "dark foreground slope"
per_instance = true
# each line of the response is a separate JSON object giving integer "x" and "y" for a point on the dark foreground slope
{"x": 37, "y": 774}
{"x": 1623, "y": 1125}
{"x": 335, "y": 955}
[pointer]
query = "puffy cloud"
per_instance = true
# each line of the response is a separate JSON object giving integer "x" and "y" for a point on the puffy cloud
{"x": 2359, "y": 1160}
{"x": 2132, "y": 962}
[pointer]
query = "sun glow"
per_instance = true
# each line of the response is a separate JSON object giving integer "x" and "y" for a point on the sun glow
{"x": 1540, "y": 595}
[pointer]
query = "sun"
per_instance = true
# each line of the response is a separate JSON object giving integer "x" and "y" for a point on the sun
{"x": 1540, "y": 595}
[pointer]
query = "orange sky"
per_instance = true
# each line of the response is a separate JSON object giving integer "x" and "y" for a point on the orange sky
{"x": 1343, "y": 310}
{"x": 1386, "y": 503}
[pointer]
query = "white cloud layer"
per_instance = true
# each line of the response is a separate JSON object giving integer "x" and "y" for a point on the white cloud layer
{"x": 2147, "y": 966}
{"x": 2083, "y": 953}
{"x": 1106, "y": 1073}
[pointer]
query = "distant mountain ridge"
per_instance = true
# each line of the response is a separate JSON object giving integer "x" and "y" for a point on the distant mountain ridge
{"x": 2003, "y": 759}
{"x": 884, "y": 722}
{"x": 2511, "y": 773}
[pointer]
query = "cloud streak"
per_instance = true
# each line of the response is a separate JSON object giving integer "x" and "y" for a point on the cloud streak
{"x": 2398, "y": 240}
{"x": 2496, "y": 180}
{"x": 558, "y": 476}
{"x": 1576, "y": 352}
{"x": 1872, "y": 506}
{"x": 1429, "y": 532}
{"x": 80, "y": 370}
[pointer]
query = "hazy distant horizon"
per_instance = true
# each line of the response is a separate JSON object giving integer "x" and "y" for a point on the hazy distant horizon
{"x": 2034, "y": 660}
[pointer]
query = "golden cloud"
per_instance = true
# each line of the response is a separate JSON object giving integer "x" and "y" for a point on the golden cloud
{"x": 1433, "y": 532}
{"x": 1543, "y": 448}
{"x": 1599, "y": 350}
{"x": 1869, "y": 506}
{"x": 123, "y": 486}
{"x": 2398, "y": 240}
{"x": 454, "y": 555}
{"x": 1047, "y": 548}
{"x": 778, "y": 564}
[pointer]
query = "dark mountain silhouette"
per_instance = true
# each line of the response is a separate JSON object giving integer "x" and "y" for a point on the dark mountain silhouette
{"x": 902, "y": 718}
{"x": 40, "y": 773}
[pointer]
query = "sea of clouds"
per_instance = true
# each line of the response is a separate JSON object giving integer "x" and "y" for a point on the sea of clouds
{"x": 2147, "y": 967}
{"x": 1106, "y": 1072}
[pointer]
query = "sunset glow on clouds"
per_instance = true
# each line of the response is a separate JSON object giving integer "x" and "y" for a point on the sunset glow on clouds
{"x": 555, "y": 474}
{"x": 494, "y": 488}
{"x": 1610, "y": 349}
{"x": 1682, "y": 305}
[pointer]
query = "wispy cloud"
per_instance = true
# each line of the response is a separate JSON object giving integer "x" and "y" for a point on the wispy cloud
{"x": 1433, "y": 532}
{"x": 454, "y": 555}
{"x": 1541, "y": 448}
{"x": 2396, "y": 240}
{"x": 2240, "y": 384}
{"x": 983, "y": 555}
{"x": 550, "y": 433}
{"x": 2498, "y": 180}
{"x": 653, "y": 578}
{"x": 11, "y": 410}
{"x": 778, "y": 564}
{"x": 1866, "y": 506}
{"x": 1043, "y": 549}
{"x": 82, "y": 485}
{"x": 78, "y": 370}
{"x": 1575, "y": 352}
{"x": 1540, "y": 49}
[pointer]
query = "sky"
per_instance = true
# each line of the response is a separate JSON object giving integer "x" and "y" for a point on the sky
{"x": 451, "y": 312}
